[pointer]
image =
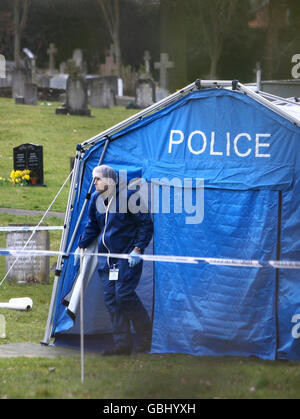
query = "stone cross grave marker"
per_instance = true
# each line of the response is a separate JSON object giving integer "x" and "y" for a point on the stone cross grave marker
{"x": 163, "y": 66}
{"x": 51, "y": 51}
{"x": 109, "y": 68}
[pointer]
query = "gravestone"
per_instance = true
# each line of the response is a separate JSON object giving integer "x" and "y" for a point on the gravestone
{"x": 147, "y": 59}
{"x": 161, "y": 93}
{"x": 43, "y": 80}
{"x": 109, "y": 68}
{"x": 59, "y": 82}
{"x": 28, "y": 269}
{"x": 30, "y": 156}
{"x": 19, "y": 79}
{"x": 30, "y": 64}
{"x": 102, "y": 94}
{"x": 144, "y": 93}
{"x": 163, "y": 66}
{"x": 78, "y": 60}
{"x": 77, "y": 97}
{"x": 62, "y": 67}
{"x": 30, "y": 94}
{"x": 51, "y": 51}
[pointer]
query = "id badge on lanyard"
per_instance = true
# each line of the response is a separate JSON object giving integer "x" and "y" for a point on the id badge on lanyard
{"x": 113, "y": 274}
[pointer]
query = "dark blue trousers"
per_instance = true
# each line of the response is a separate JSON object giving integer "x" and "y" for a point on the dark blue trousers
{"x": 123, "y": 304}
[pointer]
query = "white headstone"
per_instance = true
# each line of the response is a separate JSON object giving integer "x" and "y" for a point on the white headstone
{"x": 28, "y": 269}
{"x": 120, "y": 87}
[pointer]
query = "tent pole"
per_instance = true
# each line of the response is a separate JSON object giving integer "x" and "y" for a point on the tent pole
{"x": 86, "y": 200}
{"x": 278, "y": 256}
{"x": 47, "y": 334}
{"x": 81, "y": 321}
{"x": 79, "y": 152}
{"x": 267, "y": 103}
{"x": 277, "y": 98}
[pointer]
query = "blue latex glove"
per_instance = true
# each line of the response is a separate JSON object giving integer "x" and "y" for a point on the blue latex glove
{"x": 76, "y": 256}
{"x": 134, "y": 259}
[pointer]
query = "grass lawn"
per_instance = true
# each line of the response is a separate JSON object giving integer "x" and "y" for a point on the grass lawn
{"x": 142, "y": 376}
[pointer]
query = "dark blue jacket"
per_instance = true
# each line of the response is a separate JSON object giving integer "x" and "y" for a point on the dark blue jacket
{"x": 121, "y": 233}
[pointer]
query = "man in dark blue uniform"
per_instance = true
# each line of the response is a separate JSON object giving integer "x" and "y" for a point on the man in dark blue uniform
{"x": 119, "y": 232}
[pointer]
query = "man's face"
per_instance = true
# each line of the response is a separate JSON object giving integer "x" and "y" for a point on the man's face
{"x": 100, "y": 185}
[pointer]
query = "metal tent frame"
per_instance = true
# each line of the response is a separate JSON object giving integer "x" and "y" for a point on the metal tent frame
{"x": 261, "y": 97}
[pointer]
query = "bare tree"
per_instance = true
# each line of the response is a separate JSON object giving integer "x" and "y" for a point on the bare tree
{"x": 111, "y": 14}
{"x": 215, "y": 18}
{"x": 20, "y": 18}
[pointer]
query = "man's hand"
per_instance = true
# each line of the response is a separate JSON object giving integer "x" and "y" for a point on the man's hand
{"x": 134, "y": 257}
{"x": 77, "y": 256}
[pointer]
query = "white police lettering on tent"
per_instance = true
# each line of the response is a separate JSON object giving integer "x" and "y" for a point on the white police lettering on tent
{"x": 206, "y": 143}
{"x": 250, "y": 166}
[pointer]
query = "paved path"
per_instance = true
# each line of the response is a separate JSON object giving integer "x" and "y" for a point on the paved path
{"x": 31, "y": 212}
{"x": 36, "y": 350}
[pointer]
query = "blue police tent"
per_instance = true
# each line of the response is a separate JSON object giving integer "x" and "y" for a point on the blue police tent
{"x": 240, "y": 157}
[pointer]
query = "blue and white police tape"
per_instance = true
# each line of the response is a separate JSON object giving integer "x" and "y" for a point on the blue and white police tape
{"x": 242, "y": 263}
{"x": 28, "y": 228}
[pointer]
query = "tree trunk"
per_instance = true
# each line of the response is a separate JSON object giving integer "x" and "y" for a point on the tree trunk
{"x": 111, "y": 14}
{"x": 116, "y": 38}
{"x": 17, "y": 43}
{"x": 20, "y": 19}
{"x": 276, "y": 16}
{"x": 213, "y": 67}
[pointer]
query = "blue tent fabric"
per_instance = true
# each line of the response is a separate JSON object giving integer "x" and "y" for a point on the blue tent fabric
{"x": 249, "y": 160}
